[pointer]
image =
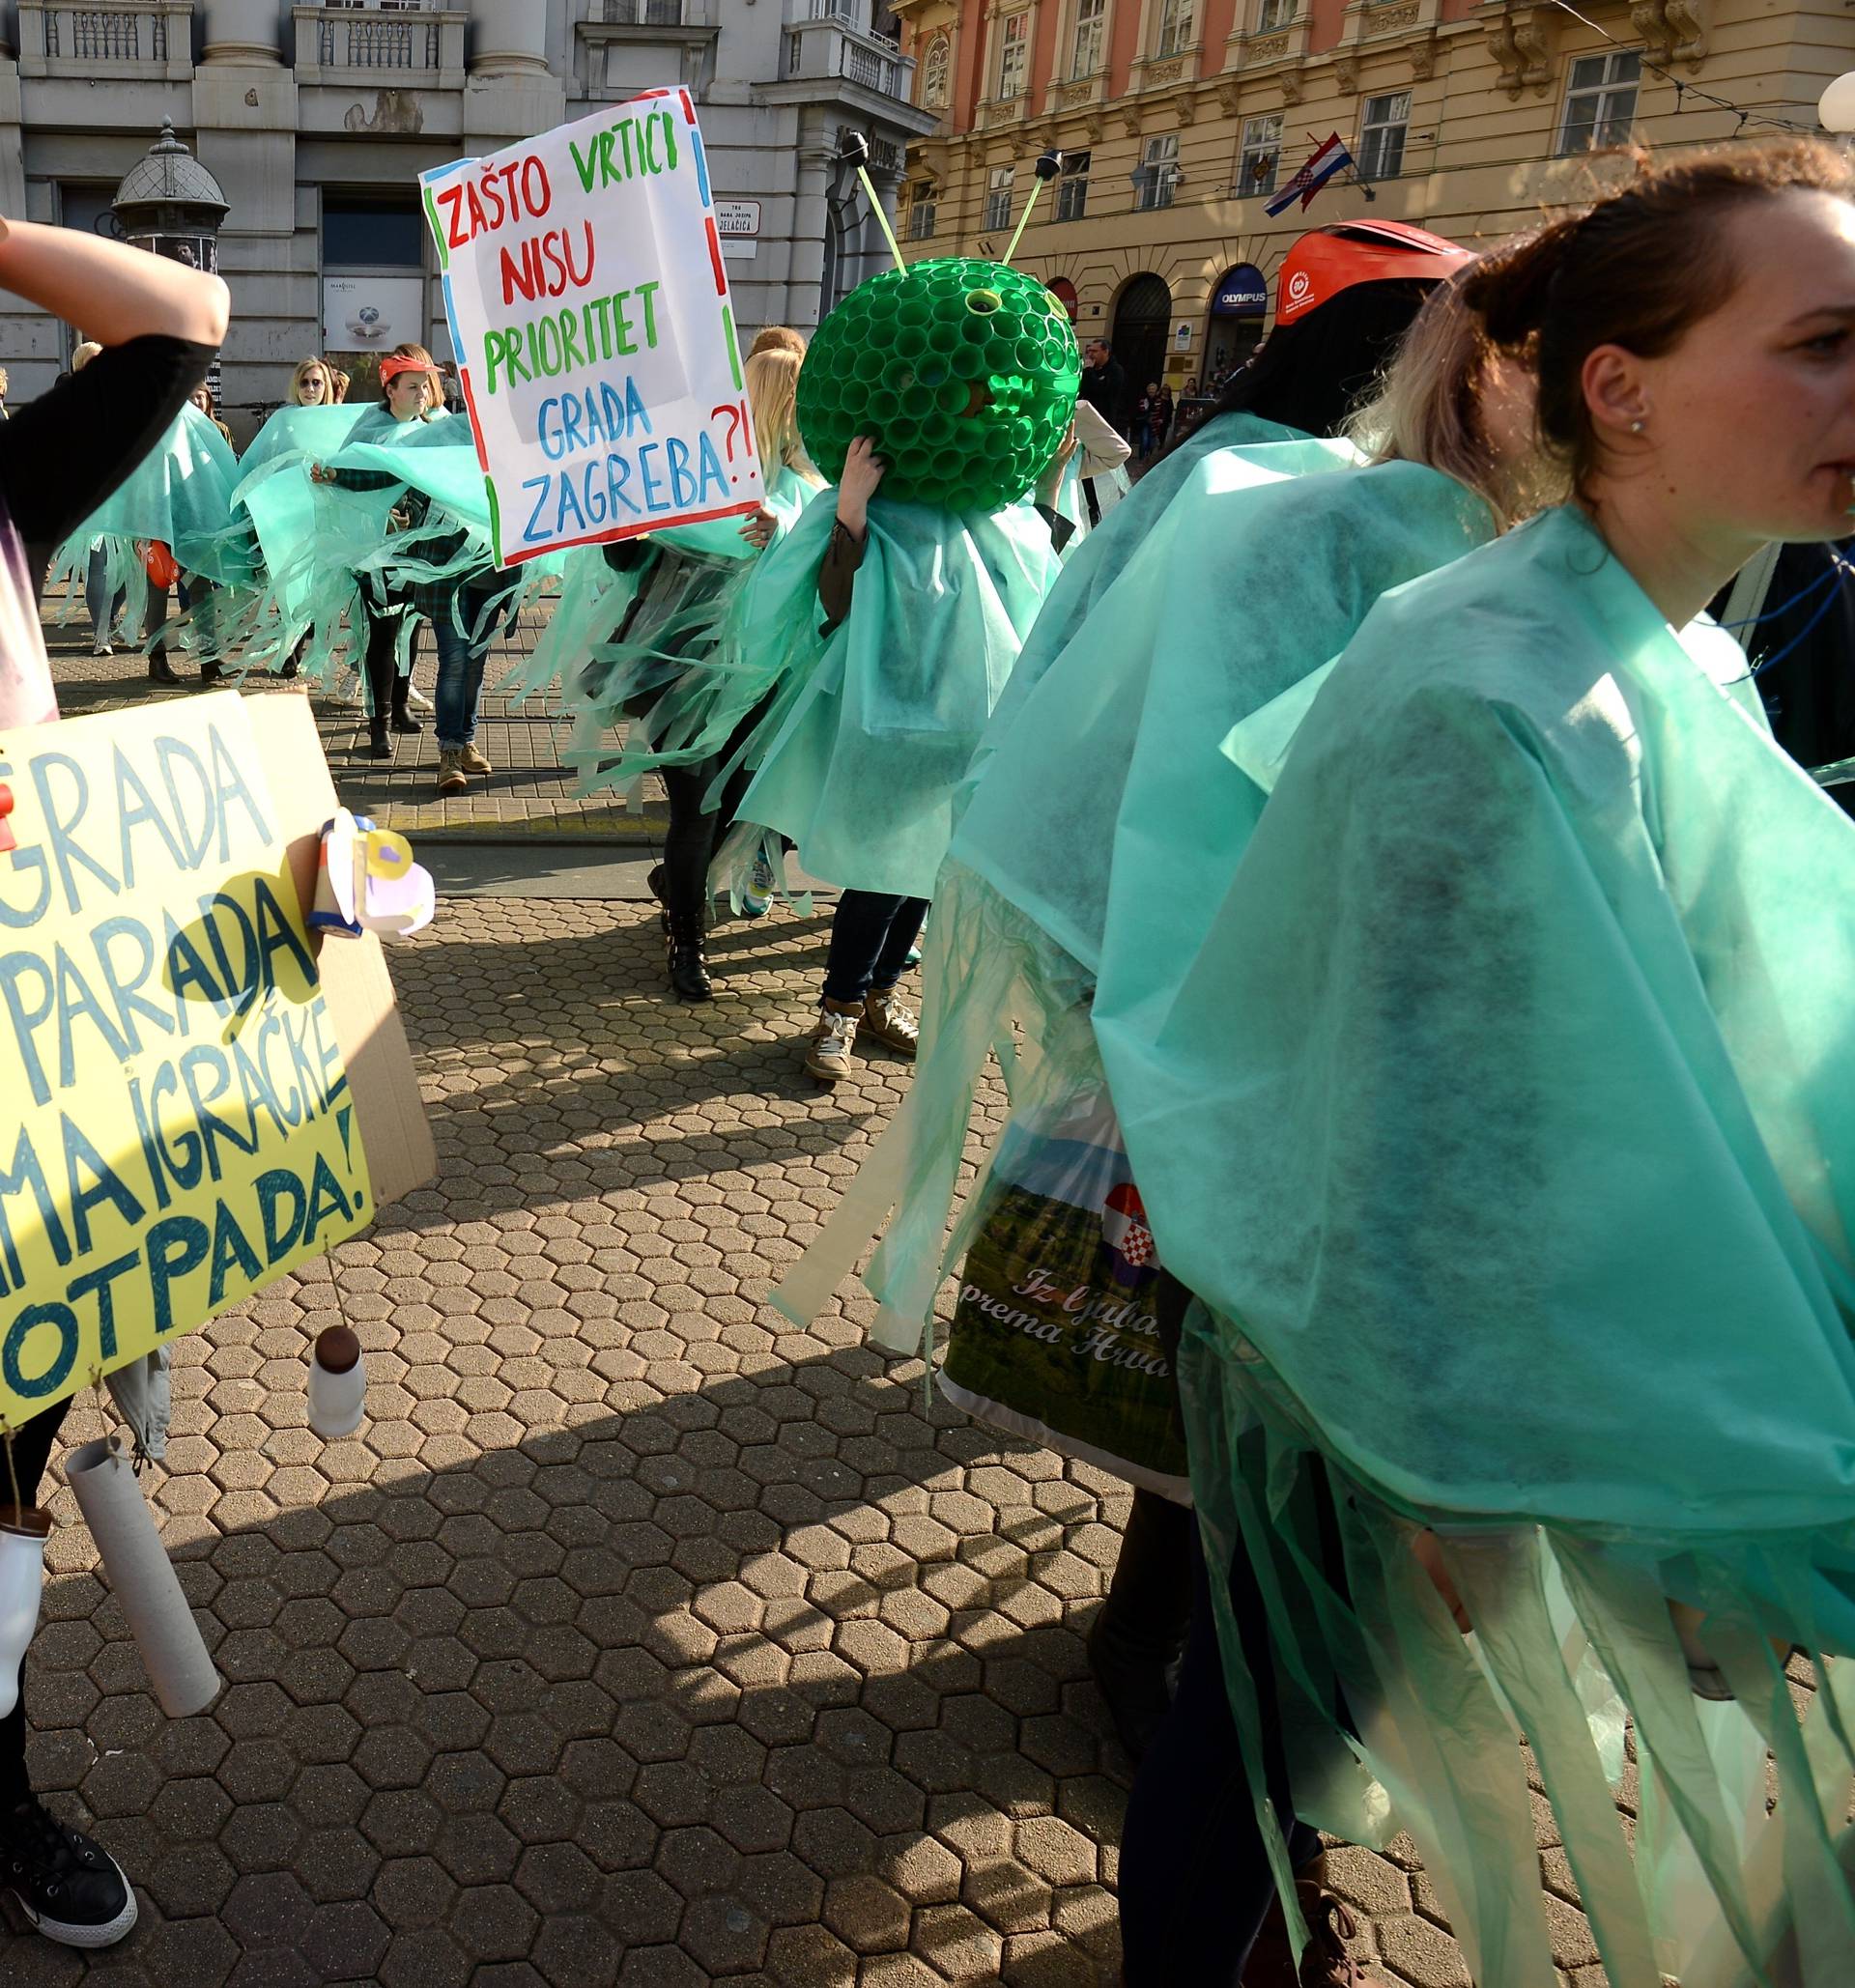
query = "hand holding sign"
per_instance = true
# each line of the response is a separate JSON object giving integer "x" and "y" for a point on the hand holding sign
{"x": 587, "y": 295}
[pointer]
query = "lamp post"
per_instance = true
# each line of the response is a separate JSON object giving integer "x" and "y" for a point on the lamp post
{"x": 169, "y": 204}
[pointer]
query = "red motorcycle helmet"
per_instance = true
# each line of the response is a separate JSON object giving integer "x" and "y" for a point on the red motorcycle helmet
{"x": 1331, "y": 259}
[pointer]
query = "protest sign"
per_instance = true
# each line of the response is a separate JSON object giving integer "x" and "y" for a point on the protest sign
{"x": 589, "y": 305}
{"x": 179, "y": 1128}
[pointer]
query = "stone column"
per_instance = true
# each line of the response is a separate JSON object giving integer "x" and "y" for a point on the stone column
{"x": 815, "y": 151}
{"x": 241, "y": 31}
{"x": 509, "y": 37}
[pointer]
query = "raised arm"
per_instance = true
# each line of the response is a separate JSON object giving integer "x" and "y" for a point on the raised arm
{"x": 112, "y": 291}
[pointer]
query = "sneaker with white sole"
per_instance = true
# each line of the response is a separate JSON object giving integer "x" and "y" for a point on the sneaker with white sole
{"x": 451, "y": 777}
{"x": 416, "y": 697}
{"x": 756, "y": 893}
{"x": 69, "y": 1887}
{"x": 885, "y": 1020}
{"x": 829, "y": 1054}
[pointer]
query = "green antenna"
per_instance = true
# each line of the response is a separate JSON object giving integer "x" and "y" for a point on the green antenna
{"x": 1048, "y": 166}
{"x": 856, "y": 152}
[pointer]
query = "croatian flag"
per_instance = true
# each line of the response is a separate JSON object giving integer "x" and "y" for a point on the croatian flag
{"x": 1332, "y": 158}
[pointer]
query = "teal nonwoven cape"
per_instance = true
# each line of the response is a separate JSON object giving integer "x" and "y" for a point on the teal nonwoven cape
{"x": 1108, "y": 788}
{"x": 1502, "y": 1118}
{"x": 325, "y": 549}
{"x": 181, "y": 494}
{"x": 880, "y": 718}
{"x": 1093, "y": 565}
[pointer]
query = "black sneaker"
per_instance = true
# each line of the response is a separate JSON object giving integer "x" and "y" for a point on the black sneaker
{"x": 69, "y": 1887}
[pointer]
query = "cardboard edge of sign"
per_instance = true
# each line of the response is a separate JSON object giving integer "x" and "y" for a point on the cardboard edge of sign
{"x": 356, "y": 988}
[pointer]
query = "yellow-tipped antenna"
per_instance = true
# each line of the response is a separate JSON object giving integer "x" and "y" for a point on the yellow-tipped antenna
{"x": 1048, "y": 166}
{"x": 856, "y": 152}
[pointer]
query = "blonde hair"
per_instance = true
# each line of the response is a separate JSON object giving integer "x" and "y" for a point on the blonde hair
{"x": 305, "y": 367}
{"x": 1426, "y": 409}
{"x": 434, "y": 404}
{"x": 772, "y": 375}
{"x": 84, "y": 354}
{"x": 777, "y": 338}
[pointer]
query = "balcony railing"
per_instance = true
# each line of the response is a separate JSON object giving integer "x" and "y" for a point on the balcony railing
{"x": 401, "y": 49}
{"x": 827, "y": 46}
{"x": 128, "y": 38}
{"x": 363, "y": 43}
{"x": 640, "y": 14}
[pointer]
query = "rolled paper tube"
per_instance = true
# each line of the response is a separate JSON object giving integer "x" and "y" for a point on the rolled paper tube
{"x": 22, "y": 1580}
{"x": 337, "y": 1384}
{"x": 142, "y": 1577}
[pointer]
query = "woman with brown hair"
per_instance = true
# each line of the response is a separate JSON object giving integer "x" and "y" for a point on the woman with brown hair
{"x": 1503, "y": 1124}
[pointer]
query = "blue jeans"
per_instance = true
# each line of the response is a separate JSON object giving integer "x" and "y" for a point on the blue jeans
{"x": 103, "y": 605}
{"x": 461, "y": 657}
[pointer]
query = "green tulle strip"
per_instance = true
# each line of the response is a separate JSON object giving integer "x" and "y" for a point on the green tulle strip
{"x": 1392, "y": 1718}
{"x": 993, "y": 986}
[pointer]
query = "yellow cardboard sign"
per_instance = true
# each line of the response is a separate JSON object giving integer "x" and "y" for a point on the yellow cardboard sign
{"x": 176, "y": 1128}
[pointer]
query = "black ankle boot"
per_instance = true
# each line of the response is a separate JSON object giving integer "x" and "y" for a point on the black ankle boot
{"x": 162, "y": 671}
{"x": 688, "y": 963}
{"x": 379, "y": 745}
{"x": 403, "y": 720}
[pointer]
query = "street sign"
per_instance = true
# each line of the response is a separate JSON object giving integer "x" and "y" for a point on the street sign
{"x": 737, "y": 217}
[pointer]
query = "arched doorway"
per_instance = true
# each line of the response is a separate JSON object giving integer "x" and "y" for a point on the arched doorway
{"x": 1064, "y": 290}
{"x": 1142, "y": 322}
{"x": 1238, "y": 307}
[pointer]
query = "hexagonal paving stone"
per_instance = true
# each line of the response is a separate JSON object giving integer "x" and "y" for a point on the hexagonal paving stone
{"x": 638, "y": 1636}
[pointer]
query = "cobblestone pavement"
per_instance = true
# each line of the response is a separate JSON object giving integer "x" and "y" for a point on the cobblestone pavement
{"x": 530, "y": 793}
{"x": 638, "y": 1637}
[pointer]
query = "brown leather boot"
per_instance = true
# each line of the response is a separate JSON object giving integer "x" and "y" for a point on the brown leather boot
{"x": 1331, "y": 1925}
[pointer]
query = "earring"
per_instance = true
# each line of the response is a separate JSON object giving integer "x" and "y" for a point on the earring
{"x": 1638, "y": 425}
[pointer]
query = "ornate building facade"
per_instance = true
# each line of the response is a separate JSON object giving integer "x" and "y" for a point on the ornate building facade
{"x": 1180, "y": 119}
{"x": 316, "y": 119}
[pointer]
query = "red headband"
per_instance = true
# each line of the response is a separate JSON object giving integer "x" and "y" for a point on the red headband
{"x": 391, "y": 368}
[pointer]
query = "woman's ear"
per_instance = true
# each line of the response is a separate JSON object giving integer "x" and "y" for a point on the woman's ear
{"x": 1615, "y": 392}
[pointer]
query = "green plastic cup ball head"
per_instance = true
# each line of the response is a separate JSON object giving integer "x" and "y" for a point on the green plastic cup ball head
{"x": 997, "y": 364}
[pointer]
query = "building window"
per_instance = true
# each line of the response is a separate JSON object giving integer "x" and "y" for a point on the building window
{"x": 1015, "y": 55}
{"x": 998, "y": 197}
{"x": 387, "y": 233}
{"x": 1600, "y": 100}
{"x": 1159, "y": 169}
{"x": 1262, "y": 155}
{"x": 1382, "y": 130}
{"x": 934, "y": 73}
{"x": 1175, "y": 26}
{"x": 1090, "y": 20}
{"x": 644, "y": 14}
{"x": 1273, "y": 14}
{"x": 920, "y": 210}
{"x": 1072, "y": 187}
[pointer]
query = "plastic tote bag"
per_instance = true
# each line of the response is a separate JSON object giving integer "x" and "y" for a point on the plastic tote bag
{"x": 1064, "y": 1328}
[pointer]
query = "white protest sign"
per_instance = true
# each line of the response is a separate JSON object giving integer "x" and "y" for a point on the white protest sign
{"x": 588, "y": 304}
